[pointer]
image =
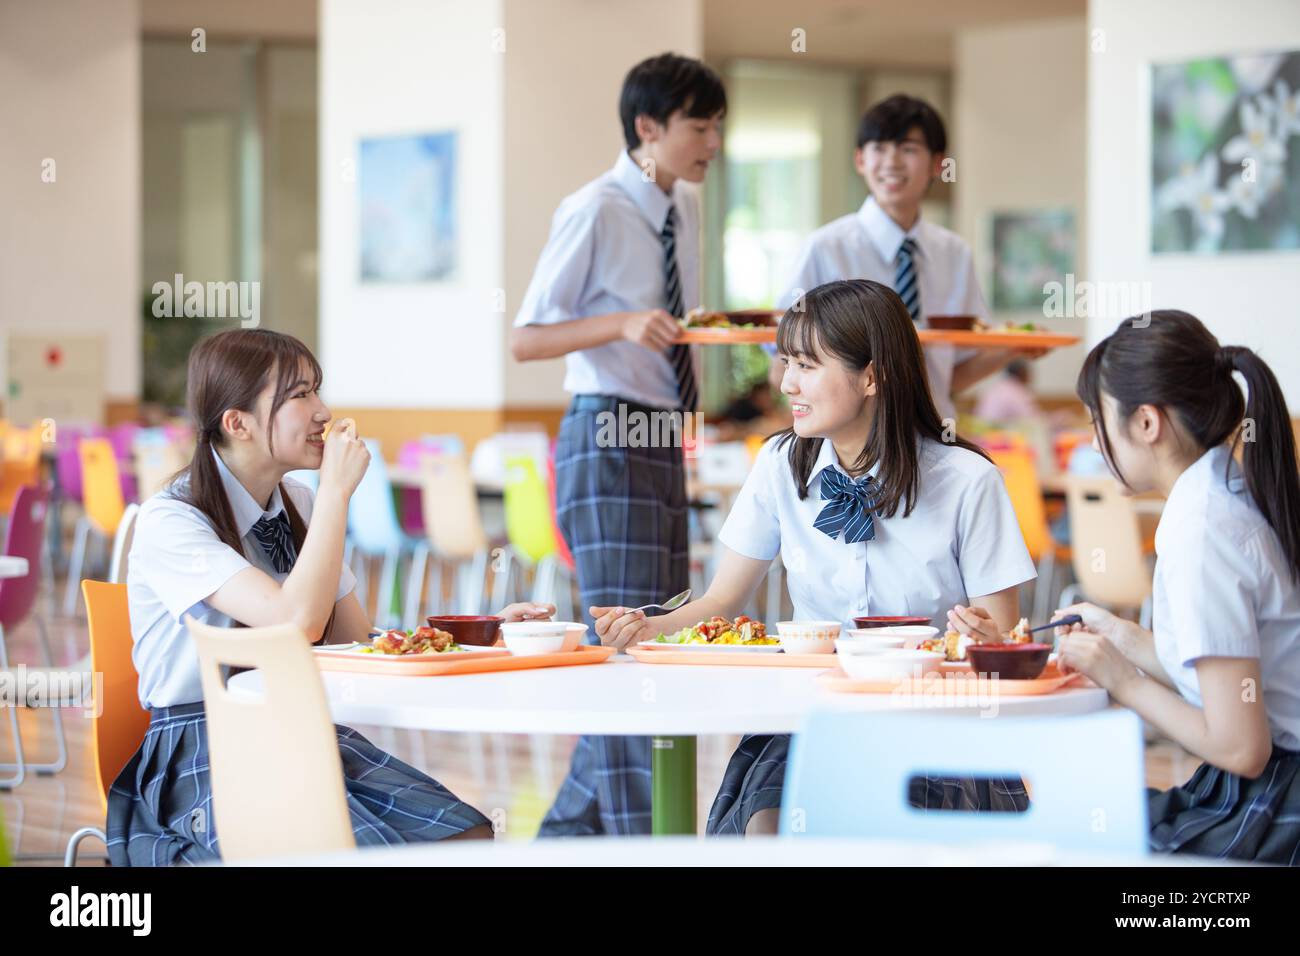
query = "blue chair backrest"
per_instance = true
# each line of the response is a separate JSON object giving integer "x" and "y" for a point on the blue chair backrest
{"x": 848, "y": 776}
{"x": 372, "y": 516}
{"x": 306, "y": 476}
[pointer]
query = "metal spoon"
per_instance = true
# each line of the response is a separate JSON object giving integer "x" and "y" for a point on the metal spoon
{"x": 672, "y": 604}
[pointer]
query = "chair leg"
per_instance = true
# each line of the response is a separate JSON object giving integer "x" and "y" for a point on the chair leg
{"x": 503, "y": 570}
{"x": 20, "y": 766}
{"x": 384, "y": 600}
{"x": 544, "y": 580}
{"x": 61, "y": 740}
{"x": 75, "y": 566}
{"x": 70, "y": 857}
{"x": 473, "y": 577}
{"x": 437, "y": 603}
{"x": 415, "y": 585}
{"x": 1071, "y": 595}
{"x": 1043, "y": 586}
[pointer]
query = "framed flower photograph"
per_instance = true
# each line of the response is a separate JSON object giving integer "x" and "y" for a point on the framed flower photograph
{"x": 1225, "y": 154}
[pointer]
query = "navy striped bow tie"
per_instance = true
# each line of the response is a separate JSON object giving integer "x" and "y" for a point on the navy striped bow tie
{"x": 276, "y": 538}
{"x": 850, "y": 506}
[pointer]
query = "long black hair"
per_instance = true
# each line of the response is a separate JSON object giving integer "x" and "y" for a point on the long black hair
{"x": 1177, "y": 365}
{"x": 859, "y": 322}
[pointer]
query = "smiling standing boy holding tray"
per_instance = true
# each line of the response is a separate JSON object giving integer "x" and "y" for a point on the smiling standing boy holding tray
{"x": 621, "y": 265}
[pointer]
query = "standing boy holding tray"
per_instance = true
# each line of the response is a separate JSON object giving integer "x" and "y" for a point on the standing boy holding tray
{"x": 620, "y": 266}
{"x": 901, "y": 144}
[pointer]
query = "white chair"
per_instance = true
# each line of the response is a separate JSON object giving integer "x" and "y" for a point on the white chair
{"x": 1106, "y": 548}
{"x": 277, "y": 778}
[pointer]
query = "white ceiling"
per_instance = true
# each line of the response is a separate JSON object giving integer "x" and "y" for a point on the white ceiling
{"x": 888, "y": 33}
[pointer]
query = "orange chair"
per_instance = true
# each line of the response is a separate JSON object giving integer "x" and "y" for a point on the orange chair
{"x": 120, "y": 723}
{"x": 1026, "y": 491}
{"x": 22, "y": 463}
{"x": 101, "y": 493}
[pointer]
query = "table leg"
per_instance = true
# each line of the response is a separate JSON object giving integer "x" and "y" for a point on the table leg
{"x": 673, "y": 786}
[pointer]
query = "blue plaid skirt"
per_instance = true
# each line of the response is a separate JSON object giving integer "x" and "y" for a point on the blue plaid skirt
{"x": 755, "y": 777}
{"x": 160, "y": 805}
{"x": 1223, "y": 815}
{"x": 623, "y": 513}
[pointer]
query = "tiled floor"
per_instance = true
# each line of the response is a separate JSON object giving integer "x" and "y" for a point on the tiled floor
{"x": 510, "y": 778}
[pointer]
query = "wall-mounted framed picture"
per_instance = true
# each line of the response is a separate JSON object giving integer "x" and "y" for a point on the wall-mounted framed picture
{"x": 1031, "y": 248}
{"x": 408, "y": 219}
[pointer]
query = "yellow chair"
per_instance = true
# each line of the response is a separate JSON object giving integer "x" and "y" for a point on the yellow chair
{"x": 277, "y": 778}
{"x": 528, "y": 519}
{"x": 119, "y": 722}
{"x": 1106, "y": 540}
{"x": 22, "y": 462}
{"x": 101, "y": 494}
{"x": 1026, "y": 492}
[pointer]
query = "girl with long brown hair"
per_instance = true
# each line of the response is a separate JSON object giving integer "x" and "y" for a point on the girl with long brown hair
{"x": 232, "y": 542}
{"x": 874, "y": 510}
{"x": 1219, "y": 671}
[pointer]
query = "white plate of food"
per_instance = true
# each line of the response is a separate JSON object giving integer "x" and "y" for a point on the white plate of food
{"x": 743, "y": 634}
{"x": 421, "y": 644}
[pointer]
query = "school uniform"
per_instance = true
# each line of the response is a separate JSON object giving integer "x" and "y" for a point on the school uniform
{"x": 160, "y": 805}
{"x": 930, "y": 267}
{"x": 1223, "y": 588}
{"x": 619, "y": 244}
{"x": 960, "y": 540}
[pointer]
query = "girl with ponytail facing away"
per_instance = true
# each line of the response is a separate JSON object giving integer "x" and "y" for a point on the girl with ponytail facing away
{"x": 1219, "y": 672}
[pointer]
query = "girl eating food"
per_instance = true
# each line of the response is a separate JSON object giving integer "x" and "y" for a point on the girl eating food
{"x": 1219, "y": 672}
{"x": 874, "y": 510}
{"x": 232, "y": 542}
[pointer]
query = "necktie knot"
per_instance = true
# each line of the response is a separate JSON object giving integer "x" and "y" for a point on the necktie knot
{"x": 850, "y": 507}
{"x": 276, "y": 538}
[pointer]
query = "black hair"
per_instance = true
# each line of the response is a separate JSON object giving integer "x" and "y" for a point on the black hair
{"x": 859, "y": 322}
{"x": 1176, "y": 364}
{"x": 890, "y": 120}
{"x": 665, "y": 83}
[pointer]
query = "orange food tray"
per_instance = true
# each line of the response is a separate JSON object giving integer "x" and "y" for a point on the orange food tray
{"x": 652, "y": 655}
{"x": 997, "y": 340}
{"x": 951, "y": 683}
{"x": 1026, "y": 341}
{"x": 469, "y": 663}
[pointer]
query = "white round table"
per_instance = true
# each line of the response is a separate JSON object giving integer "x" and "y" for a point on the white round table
{"x": 672, "y": 703}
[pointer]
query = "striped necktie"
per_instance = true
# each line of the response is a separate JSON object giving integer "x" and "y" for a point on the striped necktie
{"x": 276, "y": 538}
{"x": 905, "y": 281}
{"x": 678, "y": 355}
{"x": 850, "y": 506}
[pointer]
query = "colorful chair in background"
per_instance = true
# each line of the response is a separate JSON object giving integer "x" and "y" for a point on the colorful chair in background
{"x": 1026, "y": 492}
{"x": 22, "y": 462}
{"x": 454, "y": 539}
{"x": 1110, "y": 566}
{"x": 376, "y": 534}
{"x": 530, "y": 529}
{"x": 104, "y": 507}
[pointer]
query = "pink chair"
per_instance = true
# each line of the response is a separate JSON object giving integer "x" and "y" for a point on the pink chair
{"x": 122, "y": 438}
{"x": 17, "y": 601}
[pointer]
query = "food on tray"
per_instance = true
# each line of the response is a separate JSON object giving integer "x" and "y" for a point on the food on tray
{"x": 1020, "y": 633}
{"x": 952, "y": 645}
{"x": 718, "y": 630}
{"x": 423, "y": 640}
{"x": 706, "y": 319}
{"x": 979, "y": 326}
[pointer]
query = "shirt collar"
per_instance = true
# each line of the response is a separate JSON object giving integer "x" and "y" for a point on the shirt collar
{"x": 1201, "y": 474}
{"x": 826, "y": 458}
{"x": 652, "y": 201}
{"x": 247, "y": 512}
{"x": 885, "y": 234}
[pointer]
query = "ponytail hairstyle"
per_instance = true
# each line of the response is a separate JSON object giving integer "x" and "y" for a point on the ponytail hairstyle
{"x": 1176, "y": 364}
{"x": 229, "y": 370}
{"x": 859, "y": 322}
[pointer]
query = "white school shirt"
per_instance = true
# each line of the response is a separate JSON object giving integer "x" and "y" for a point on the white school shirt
{"x": 1222, "y": 588}
{"x": 865, "y": 244}
{"x": 176, "y": 563}
{"x": 961, "y": 539}
{"x": 605, "y": 255}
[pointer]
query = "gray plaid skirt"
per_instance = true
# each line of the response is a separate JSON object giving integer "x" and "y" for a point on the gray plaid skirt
{"x": 160, "y": 805}
{"x": 1227, "y": 816}
{"x": 623, "y": 513}
{"x": 755, "y": 776}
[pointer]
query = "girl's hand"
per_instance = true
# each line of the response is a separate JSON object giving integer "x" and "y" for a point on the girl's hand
{"x": 619, "y": 626}
{"x": 976, "y": 623}
{"x": 1096, "y": 620}
{"x": 526, "y": 611}
{"x": 1094, "y": 656}
{"x": 345, "y": 459}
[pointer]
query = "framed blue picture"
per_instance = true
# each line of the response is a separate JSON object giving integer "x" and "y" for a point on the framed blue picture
{"x": 408, "y": 208}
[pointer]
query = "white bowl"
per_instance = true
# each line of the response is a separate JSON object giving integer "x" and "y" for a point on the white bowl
{"x": 573, "y": 633}
{"x": 808, "y": 637}
{"x": 868, "y": 644}
{"x": 912, "y": 634}
{"x": 890, "y": 665}
{"x": 523, "y": 638}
